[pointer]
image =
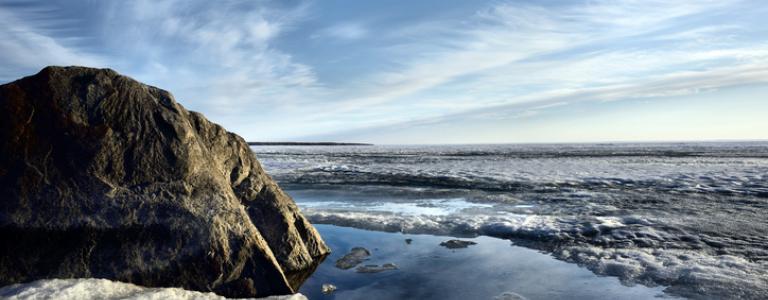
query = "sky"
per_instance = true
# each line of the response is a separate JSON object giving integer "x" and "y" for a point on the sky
{"x": 422, "y": 72}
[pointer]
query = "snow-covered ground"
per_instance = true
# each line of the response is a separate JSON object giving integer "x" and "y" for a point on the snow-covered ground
{"x": 92, "y": 288}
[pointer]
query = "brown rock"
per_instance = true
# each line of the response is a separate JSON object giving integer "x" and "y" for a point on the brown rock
{"x": 102, "y": 176}
{"x": 355, "y": 256}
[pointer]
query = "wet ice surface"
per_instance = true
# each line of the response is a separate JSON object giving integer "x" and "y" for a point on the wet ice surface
{"x": 725, "y": 168}
{"x": 689, "y": 217}
{"x": 425, "y": 270}
{"x": 432, "y": 207}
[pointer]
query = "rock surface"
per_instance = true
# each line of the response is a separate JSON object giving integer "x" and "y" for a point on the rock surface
{"x": 102, "y": 176}
{"x": 328, "y": 288}
{"x": 457, "y": 244}
{"x": 376, "y": 268}
{"x": 353, "y": 258}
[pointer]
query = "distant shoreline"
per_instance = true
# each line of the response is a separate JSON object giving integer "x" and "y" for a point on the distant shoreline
{"x": 306, "y": 144}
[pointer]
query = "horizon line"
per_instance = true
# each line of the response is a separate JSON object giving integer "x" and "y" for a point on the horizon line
{"x": 512, "y": 143}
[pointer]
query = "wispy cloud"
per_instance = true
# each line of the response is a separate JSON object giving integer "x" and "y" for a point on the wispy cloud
{"x": 28, "y": 45}
{"x": 230, "y": 42}
{"x": 218, "y": 56}
{"x": 312, "y": 68}
{"x": 343, "y": 31}
{"x": 509, "y": 54}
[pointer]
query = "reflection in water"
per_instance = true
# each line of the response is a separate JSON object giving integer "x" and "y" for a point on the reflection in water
{"x": 486, "y": 270}
{"x": 297, "y": 278}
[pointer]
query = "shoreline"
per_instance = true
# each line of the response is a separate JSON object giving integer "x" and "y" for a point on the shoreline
{"x": 306, "y": 144}
{"x": 488, "y": 268}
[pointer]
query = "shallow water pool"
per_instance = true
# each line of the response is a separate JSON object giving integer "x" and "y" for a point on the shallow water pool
{"x": 486, "y": 270}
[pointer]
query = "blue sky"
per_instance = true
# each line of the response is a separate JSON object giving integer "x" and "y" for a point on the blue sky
{"x": 437, "y": 71}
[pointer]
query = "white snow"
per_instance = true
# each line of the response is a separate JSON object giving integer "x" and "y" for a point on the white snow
{"x": 93, "y": 288}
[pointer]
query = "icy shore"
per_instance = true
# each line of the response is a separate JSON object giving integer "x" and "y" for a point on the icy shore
{"x": 103, "y": 289}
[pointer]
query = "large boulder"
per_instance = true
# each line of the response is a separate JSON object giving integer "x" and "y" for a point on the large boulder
{"x": 102, "y": 176}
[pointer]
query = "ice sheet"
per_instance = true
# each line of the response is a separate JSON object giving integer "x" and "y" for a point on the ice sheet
{"x": 690, "y": 217}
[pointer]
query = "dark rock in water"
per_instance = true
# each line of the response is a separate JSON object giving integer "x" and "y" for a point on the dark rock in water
{"x": 353, "y": 258}
{"x": 408, "y": 241}
{"x": 509, "y": 296}
{"x": 376, "y": 268}
{"x": 455, "y": 244}
{"x": 102, "y": 176}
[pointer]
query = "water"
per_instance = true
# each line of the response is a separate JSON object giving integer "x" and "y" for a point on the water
{"x": 486, "y": 270}
{"x": 688, "y": 217}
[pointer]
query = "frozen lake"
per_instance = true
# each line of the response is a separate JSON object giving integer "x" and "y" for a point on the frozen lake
{"x": 689, "y": 217}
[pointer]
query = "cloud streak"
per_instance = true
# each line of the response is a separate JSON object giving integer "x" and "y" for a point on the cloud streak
{"x": 343, "y": 31}
{"x": 24, "y": 45}
{"x": 508, "y": 55}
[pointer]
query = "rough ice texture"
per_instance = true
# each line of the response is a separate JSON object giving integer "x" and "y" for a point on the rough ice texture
{"x": 687, "y": 216}
{"x": 102, "y": 176}
{"x": 718, "y": 168}
{"x": 633, "y": 248}
{"x": 103, "y": 289}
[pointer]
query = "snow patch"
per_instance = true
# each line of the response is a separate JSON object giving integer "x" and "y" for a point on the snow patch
{"x": 94, "y": 288}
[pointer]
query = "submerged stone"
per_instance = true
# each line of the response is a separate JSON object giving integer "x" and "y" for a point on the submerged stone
{"x": 509, "y": 296}
{"x": 376, "y": 268}
{"x": 355, "y": 256}
{"x": 103, "y": 176}
{"x": 456, "y": 244}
